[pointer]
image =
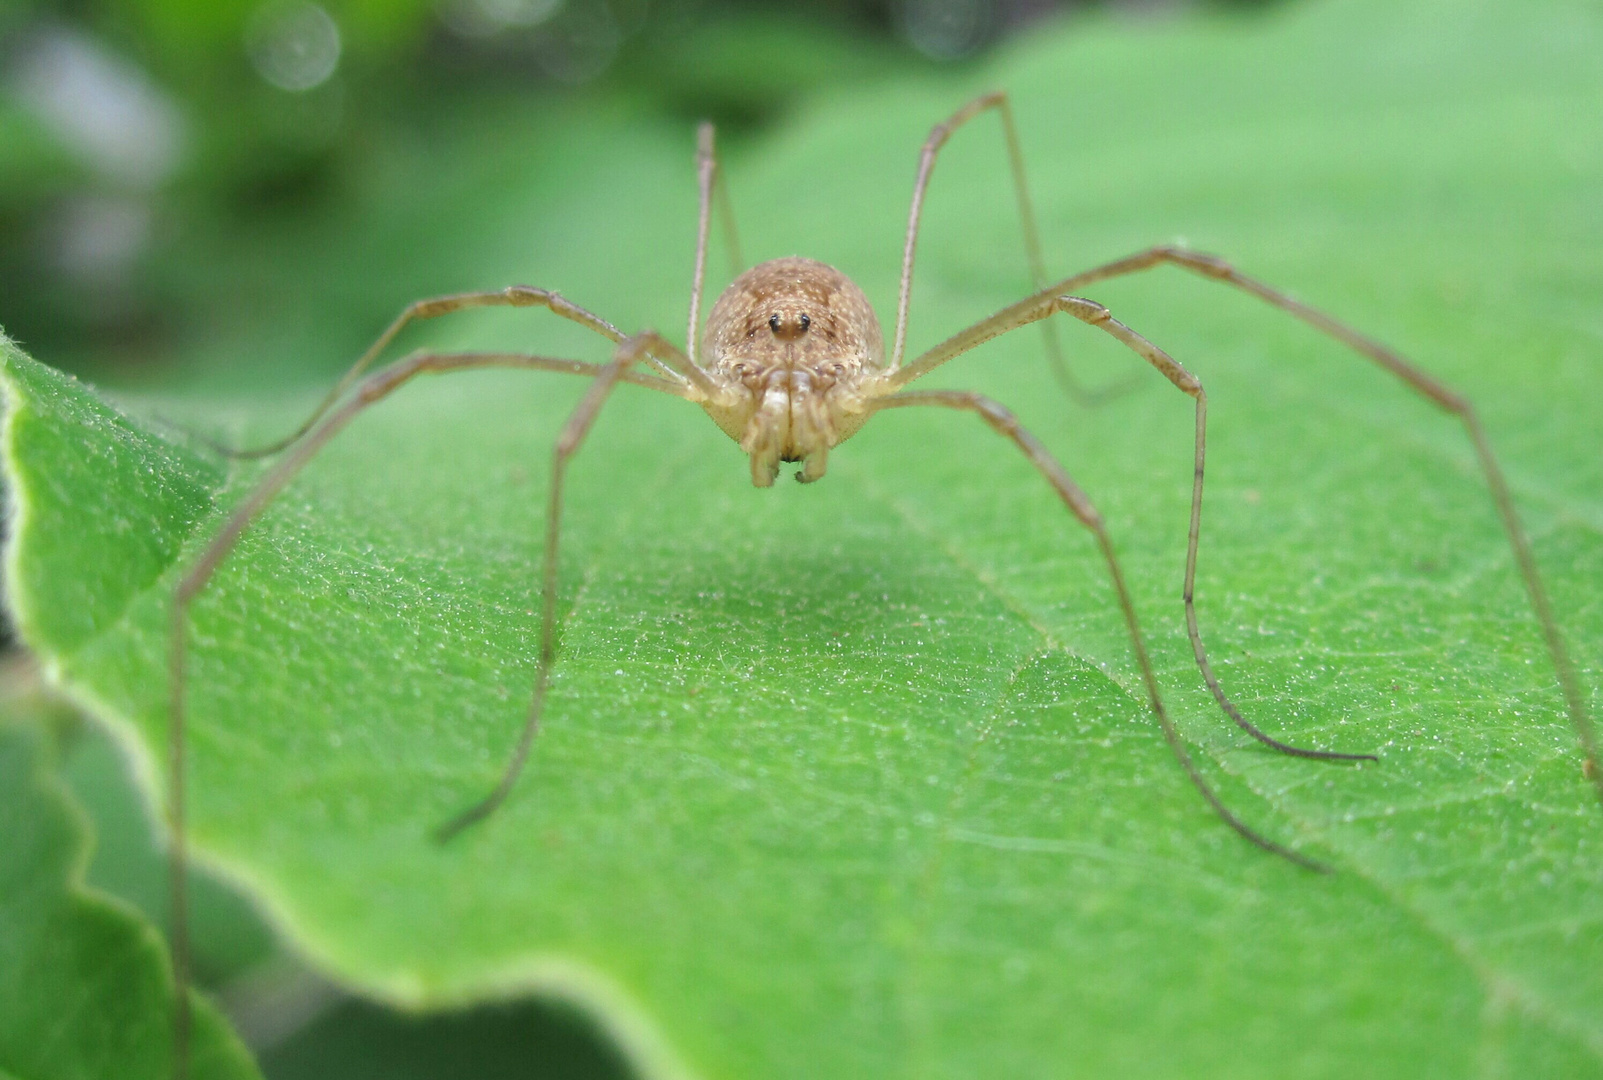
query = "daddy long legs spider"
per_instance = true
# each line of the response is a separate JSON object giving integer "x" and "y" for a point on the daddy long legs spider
{"x": 791, "y": 362}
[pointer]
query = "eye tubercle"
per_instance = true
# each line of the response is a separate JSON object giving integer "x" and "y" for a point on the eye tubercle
{"x": 787, "y": 330}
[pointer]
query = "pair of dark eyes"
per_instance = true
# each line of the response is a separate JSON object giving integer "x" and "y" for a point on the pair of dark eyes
{"x": 773, "y": 322}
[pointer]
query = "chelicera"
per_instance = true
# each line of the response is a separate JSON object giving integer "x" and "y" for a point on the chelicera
{"x": 792, "y": 364}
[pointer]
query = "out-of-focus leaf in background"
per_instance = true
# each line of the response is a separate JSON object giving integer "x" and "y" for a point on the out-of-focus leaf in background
{"x": 85, "y": 989}
{"x": 129, "y": 126}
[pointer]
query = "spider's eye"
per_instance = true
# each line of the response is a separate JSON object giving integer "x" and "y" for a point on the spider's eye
{"x": 805, "y": 321}
{"x": 773, "y": 323}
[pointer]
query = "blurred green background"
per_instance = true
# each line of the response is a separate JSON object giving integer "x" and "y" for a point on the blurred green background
{"x": 139, "y": 138}
{"x": 172, "y": 170}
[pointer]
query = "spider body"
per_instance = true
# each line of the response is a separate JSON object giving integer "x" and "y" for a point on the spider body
{"x": 794, "y": 350}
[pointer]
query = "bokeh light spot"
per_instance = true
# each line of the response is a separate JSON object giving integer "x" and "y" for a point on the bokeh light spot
{"x": 293, "y": 44}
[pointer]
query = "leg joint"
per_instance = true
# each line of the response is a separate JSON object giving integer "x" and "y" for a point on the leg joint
{"x": 996, "y": 414}
{"x": 1208, "y": 265}
{"x": 526, "y": 295}
{"x": 1087, "y": 311}
{"x": 428, "y": 309}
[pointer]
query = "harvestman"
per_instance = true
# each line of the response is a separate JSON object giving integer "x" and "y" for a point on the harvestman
{"x": 791, "y": 365}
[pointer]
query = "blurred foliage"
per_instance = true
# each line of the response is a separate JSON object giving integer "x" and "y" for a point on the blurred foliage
{"x": 359, "y": 1041}
{"x": 85, "y": 989}
{"x": 246, "y": 105}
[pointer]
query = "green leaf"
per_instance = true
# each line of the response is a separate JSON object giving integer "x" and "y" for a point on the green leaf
{"x": 856, "y": 779}
{"x": 85, "y": 987}
{"x": 358, "y": 1041}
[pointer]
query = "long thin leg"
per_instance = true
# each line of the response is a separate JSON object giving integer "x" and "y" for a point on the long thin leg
{"x": 1096, "y": 315}
{"x": 1005, "y": 423}
{"x": 1419, "y": 381}
{"x": 699, "y": 385}
{"x": 726, "y": 211}
{"x": 568, "y": 443}
{"x": 708, "y": 177}
{"x": 432, "y": 308}
{"x": 938, "y": 135}
{"x": 375, "y": 388}
{"x": 1039, "y": 308}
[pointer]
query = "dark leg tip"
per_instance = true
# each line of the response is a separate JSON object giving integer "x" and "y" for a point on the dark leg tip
{"x": 1301, "y": 751}
{"x": 1273, "y": 848}
{"x": 447, "y": 832}
{"x": 1333, "y": 755}
{"x": 1287, "y": 853}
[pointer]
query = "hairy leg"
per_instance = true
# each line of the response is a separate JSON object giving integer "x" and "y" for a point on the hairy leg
{"x": 1006, "y": 424}
{"x": 432, "y": 308}
{"x": 709, "y": 178}
{"x": 195, "y": 578}
{"x": 1095, "y": 314}
{"x": 1443, "y": 397}
{"x": 1207, "y": 266}
{"x": 568, "y": 442}
{"x": 938, "y": 135}
{"x": 1040, "y": 307}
